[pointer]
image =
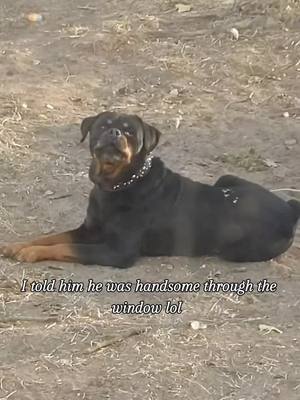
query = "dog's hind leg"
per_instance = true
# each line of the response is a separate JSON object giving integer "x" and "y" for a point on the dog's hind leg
{"x": 230, "y": 181}
{"x": 245, "y": 250}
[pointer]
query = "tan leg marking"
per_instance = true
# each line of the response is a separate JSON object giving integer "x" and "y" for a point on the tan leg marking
{"x": 58, "y": 252}
{"x": 11, "y": 249}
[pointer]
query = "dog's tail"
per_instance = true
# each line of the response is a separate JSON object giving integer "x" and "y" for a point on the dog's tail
{"x": 295, "y": 206}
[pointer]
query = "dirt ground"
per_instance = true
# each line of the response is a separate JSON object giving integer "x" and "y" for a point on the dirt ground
{"x": 225, "y": 104}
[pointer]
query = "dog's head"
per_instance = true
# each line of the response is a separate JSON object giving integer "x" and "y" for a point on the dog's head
{"x": 119, "y": 145}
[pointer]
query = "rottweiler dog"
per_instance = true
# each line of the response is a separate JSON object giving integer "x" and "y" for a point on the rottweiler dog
{"x": 138, "y": 207}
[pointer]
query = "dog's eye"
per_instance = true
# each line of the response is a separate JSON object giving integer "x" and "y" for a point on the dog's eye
{"x": 129, "y": 133}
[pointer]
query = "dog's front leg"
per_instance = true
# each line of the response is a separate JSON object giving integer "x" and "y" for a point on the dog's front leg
{"x": 101, "y": 254}
{"x": 80, "y": 235}
{"x": 80, "y": 245}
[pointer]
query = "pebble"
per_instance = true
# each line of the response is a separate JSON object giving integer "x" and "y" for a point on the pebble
{"x": 235, "y": 33}
{"x": 174, "y": 92}
{"x": 196, "y": 325}
{"x": 34, "y": 17}
{"x": 290, "y": 142}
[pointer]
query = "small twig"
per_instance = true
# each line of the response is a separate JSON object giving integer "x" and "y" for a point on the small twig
{"x": 199, "y": 384}
{"x": 69, "y": 75}
{"x": 8, "y": 396}
{"x": 109, "y": 342}
{"x": 55, "y": 268}
{"x": 286, "y": 189}
{"x": 288, "y": 66}
{"x": 240, "y": 101}
{"x": 63, "y": 196}
{"x": 12, "y": 320}
{"x": 87, "y": 8}
{"x": 183, "y": 35}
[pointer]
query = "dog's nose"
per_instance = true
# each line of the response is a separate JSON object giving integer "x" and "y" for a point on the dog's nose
{"x": 115, "y": 132}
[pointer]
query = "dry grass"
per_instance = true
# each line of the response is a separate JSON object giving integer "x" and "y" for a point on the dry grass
{"x": 173, "y": 356}
{"x": 11, "y": 145}
{"x": 6, "y": 224}
{"x": 69, "y": 334}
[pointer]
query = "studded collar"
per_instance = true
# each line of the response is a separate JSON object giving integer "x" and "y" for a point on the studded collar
{"x": 136, "y": 176}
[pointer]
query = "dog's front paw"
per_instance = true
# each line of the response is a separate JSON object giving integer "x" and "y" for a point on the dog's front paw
{"x": 10, "y": 250}
{"x": 31, "y": 254}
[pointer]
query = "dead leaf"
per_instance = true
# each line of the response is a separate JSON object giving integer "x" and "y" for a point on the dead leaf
{"x": 174, "y": 92}
{"x": 48, "y": 193}
{"x": 270, "y": 163}
{"x": 178, "y": 121}
{"x": 34, "y": 17}
{"x": 182, "y": 8}
{"x": 268, "y": 329}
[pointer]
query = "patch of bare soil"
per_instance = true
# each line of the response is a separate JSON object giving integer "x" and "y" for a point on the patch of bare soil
{"x": 227, "y": 101}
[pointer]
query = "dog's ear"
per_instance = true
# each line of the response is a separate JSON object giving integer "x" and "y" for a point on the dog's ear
{"x": 86, "y": 125}
{"x": 151, "y": 137}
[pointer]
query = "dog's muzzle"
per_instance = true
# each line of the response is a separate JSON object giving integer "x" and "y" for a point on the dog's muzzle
{"x": 111, "y": 145}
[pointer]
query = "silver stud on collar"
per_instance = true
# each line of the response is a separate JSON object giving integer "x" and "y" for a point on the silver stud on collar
{"x": 142, "y": 172}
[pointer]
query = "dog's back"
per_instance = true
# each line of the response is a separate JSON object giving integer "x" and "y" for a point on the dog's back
{"x": 295, "y": 206}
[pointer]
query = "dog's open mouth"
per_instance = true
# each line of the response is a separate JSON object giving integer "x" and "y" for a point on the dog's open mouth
{"x": 109, "y": 154}
{"x": 109, "y": 161}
